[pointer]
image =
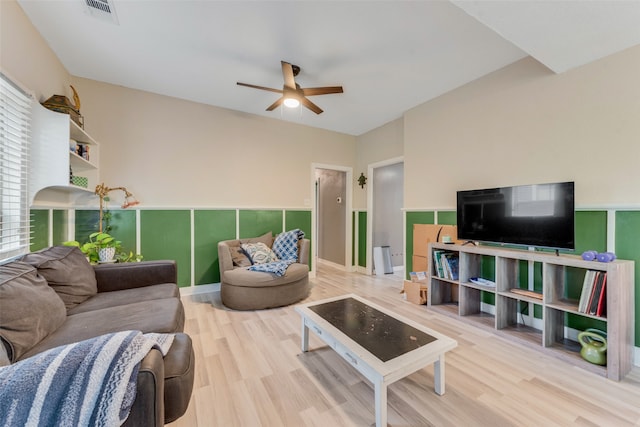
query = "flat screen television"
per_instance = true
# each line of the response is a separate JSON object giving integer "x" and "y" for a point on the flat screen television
{"x": 540, "y": 215}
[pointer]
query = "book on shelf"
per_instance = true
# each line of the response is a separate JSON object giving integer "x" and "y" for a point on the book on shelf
{"x": 597, "y": 292}
{"x": 451, "y": 262}
{"x": 587, "y": 285}
{"x": 593, "y": 295}
{"x": 438, "y": 263}
{"x": 602, "y": 301}
{"x": 446, "y": 264}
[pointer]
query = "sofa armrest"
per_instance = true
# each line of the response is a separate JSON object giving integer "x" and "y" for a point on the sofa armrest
{"x": 148, "y": 407}
{"x": 303, "y": 255}
{"x": 127, "y": 275}
{"x": 224, "y": 258}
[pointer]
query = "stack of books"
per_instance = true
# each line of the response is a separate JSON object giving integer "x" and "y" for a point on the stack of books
{"x": 593, "y": 299}
{"x": 446, "y": 264}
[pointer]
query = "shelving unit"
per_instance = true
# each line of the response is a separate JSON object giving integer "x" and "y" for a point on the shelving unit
{"x": 52, "y": 158}
{"x": 554, "y": 301}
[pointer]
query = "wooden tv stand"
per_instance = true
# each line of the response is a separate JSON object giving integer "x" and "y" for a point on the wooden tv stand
{"x": 503, "y": 267}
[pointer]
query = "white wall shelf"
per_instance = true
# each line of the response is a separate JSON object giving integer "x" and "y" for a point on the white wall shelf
{"x": 51, "y": 160}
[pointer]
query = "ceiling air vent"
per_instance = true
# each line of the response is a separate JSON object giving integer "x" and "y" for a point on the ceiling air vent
{"x": 102, "y": 9}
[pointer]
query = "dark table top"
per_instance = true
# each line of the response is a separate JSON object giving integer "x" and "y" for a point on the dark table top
{"x": 380, "y": 334}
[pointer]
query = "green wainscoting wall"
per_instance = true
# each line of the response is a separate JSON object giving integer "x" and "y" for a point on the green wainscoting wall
{"x": 362, "y": 239}
{"x": 254, "y": 223}
{"x": 299, "y": 219}
{"x": 210, "y": 227}
{"x": 39, "y": 229}
{"x": 122, "y": 223}
{"x": 166, "y": 234}
{"x": 447, "y": 218}
{"x": 353, "y": 238}
{"x": 60, "y": 226}
{"x": 628, "y": 247}
{"x": 591, "y": 234}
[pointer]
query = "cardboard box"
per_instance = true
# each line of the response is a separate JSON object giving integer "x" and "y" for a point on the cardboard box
{"x": 420, "y": 263}
{"x": 423, "y": 234}
{"x": 418, "y": 276}
{"x": 416, "y": 292}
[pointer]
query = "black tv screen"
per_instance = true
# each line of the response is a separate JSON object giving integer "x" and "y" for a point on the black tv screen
{"x": 541, "y": 215}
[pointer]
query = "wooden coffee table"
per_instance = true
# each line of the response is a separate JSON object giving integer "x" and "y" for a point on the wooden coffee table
{"x": 381, "y": 345}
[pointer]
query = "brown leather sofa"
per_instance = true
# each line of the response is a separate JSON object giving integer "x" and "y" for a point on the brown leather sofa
{"x": 98, "y": 300}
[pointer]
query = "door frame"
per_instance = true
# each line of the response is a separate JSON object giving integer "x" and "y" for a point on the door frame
{"x": 348, "y": 212}
{"x": 370, "y": 169}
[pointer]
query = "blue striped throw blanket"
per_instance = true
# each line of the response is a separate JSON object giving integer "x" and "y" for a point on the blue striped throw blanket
{"x": 89, "y": 383}
{"x": 285, "y": 247}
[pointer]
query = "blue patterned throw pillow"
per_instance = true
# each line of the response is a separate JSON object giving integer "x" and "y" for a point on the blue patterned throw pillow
{"x": 286, "y": 245}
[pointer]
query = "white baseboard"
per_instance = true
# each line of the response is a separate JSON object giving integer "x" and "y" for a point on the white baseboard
{"x": 332, "y": 264}
{"x": 200, "y": 289}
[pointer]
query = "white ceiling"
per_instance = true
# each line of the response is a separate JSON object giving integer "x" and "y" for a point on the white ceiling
{"x": 388, "y": 55}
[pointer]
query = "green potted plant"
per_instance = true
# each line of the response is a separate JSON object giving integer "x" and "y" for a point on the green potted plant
{"x": 105, "y": 245}
{"x": 101, "y": 247}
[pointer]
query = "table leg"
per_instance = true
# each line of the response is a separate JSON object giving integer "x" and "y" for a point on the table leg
{"x": 438, "y": 375}
{"x": 381, "y": 403}
{"x": 305, "y": 337}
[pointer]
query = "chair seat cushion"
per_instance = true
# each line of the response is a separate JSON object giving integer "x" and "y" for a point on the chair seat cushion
{"x": 256, "y": 279}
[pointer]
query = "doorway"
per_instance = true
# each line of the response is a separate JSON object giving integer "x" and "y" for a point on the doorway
{"x": 385, "y": 203}
{"x": 331, "y": 216}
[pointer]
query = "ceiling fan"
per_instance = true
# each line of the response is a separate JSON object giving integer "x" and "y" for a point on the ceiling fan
{"x": 292, "y": 94}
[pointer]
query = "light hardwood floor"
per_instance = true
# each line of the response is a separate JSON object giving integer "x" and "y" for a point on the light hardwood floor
{"x": 250, "y": 372}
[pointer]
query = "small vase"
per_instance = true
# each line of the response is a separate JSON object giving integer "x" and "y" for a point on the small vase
{"x": 106, "y": 254}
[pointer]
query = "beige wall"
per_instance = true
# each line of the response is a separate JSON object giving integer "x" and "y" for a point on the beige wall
{"x": 173, "y": 153}
{"x": 521, "y": 124}
{"x": 380, "y": 144}
{"x": 26, "y": 57}
{"x": 524, "y": 124}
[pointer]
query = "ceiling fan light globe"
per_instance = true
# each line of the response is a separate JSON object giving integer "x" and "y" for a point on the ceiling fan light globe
{"x": 291, "y": 102}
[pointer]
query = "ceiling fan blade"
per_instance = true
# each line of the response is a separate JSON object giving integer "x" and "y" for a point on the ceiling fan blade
{"x": 276, "y": 104}
{"x": 311, "y": 91}
{"x": 310, "y": 105}
{"x": 287, "y": 73}
{"x": 259, "y": 87}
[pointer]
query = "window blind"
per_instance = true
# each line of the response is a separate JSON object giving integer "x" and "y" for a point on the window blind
{"x": 15, "y": 120}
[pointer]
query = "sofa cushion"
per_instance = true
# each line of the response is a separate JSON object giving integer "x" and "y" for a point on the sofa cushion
{"x": 161, "y": 316}
{"x": 259, "y": 253}
{"x": 239, "y": 257}
{"x": 31, "y": 310}
{"x": 126, "y": 296}
{"x": 67, "y": 271}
